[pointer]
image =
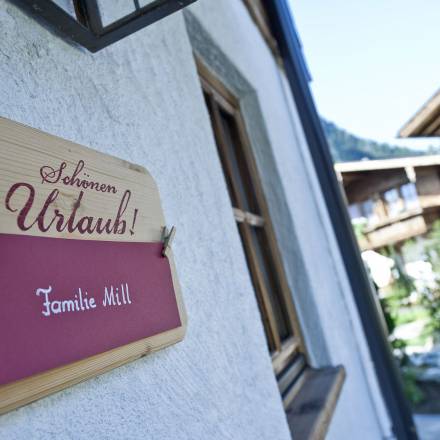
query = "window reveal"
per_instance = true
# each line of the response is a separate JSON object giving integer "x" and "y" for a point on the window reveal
{"x": 257, "y": 236}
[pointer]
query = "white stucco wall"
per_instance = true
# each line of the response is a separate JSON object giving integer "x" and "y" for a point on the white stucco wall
{"x": 361, "y": 408}
{"x": 140, "y": 100}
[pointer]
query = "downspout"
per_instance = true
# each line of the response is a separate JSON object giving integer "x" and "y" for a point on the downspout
{"x": 385, "y": 366}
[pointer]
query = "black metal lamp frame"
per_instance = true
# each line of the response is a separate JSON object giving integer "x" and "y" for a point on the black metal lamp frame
{"x": 87, "y": 29}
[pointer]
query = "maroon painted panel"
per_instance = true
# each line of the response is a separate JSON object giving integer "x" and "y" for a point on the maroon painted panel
{"x": 63, "y": 300}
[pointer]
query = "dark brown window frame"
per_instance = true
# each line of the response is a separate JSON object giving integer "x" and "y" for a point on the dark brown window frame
{"x": 282, "y": 351}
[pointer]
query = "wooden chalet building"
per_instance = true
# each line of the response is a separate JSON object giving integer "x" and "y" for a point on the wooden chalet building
{"x": 396, "y": 199}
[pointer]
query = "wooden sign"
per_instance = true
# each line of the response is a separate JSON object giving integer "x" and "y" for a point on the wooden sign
{"x": 87, "y": 279}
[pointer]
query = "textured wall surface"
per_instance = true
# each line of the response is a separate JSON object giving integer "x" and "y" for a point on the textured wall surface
{"x": 294, "y": 264}
{"x": 329, "y": 290}
{"x": 140, "y": 100}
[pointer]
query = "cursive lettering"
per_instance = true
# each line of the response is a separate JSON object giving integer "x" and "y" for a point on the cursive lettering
{"x": 50, "y": 217}
{"x": 55, "y": 175}
{"x": 82, "y": 302}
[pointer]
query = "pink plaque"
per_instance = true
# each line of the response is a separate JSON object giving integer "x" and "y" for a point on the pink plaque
{"x": 63, "y": 300}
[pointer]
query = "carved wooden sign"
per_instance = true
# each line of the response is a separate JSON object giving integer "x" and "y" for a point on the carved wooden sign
{"x": 85, "y": 284}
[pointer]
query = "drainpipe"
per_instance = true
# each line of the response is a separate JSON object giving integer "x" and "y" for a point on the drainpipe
{"x": 298, "y": 77}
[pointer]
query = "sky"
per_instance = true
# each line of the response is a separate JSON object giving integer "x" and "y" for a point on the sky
{"x": 374, "y": 63}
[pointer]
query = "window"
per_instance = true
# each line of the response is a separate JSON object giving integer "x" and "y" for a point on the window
{"x": 393, "y": 202}
{"x": 257, "y": 236}
{"x": 367, "y": 209}
{"x": 410, "y": 197}
{"x": 354, "y": 211}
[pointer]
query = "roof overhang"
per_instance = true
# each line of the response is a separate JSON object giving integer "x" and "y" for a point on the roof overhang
{"x": 387, "y": 164}
{"x": 426, "y": 122}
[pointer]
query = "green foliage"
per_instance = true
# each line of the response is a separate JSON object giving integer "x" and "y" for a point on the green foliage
{"x": 359, "y": 228}
{"x": 430, "y": 300}
{"x": 390, "y": 313}
{"x": 414, "y": 394}
{"x": 424, "y": 306}
{"x": 432, "y": 246}
{"x": 410, "y": 250}
{"x": 410, "y": 314}
{"x": 346, "y": 147}
{"x": 392, "y": 303}
{"x": 435, "y": 231}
